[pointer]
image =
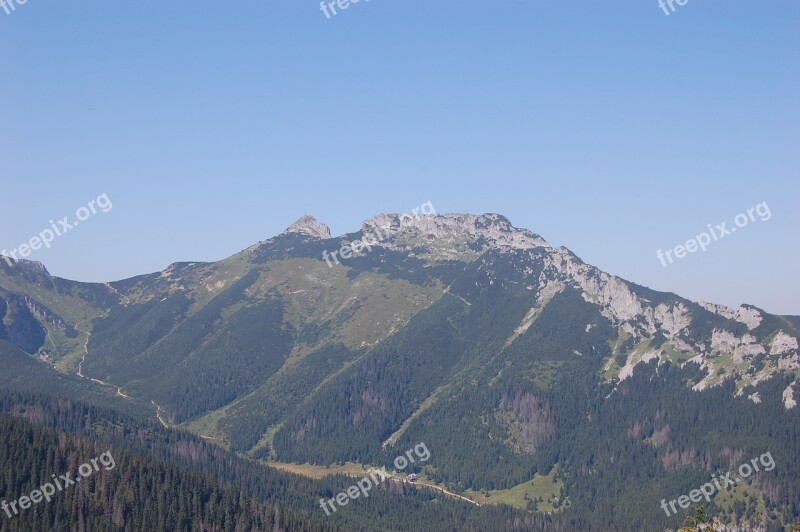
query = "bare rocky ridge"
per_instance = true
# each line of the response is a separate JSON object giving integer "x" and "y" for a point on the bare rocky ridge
{"x": 451, "y": 234}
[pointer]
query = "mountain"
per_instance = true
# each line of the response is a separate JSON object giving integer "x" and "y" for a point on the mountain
{"x": 510, "y": 358}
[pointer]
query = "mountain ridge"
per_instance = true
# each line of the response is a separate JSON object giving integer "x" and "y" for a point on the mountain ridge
{"x": 441, "y": 325}
{"x": 444, "y": 238}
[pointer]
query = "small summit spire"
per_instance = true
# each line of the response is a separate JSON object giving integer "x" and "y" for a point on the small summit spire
{"x": 309, "y": 226}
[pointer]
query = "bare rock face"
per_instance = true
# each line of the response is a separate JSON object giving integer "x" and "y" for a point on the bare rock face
{"x": 309, "y": 226}
{"x": 782, "y": 344}
{"x": 741, "y": 349}
{"x": 672, "y": 319}
{"x": 788, "y": 397}
{"x": 749, "y": 316}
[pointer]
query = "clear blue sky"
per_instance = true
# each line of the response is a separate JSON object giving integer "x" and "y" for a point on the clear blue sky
{"x": 606, "y": 127}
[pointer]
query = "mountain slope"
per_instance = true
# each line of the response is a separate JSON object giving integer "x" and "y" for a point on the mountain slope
{"x": 511, "y": 355}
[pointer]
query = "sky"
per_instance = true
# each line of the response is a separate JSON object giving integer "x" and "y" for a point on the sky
{"x": 610, "y": 128}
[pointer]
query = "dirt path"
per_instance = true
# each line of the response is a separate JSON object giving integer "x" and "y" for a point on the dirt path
{"x": 158, "y": 414}
{"x": 356, "y": 471}
{"x": 89, "y": 334}
{"x": 447, "y": 291}
{"x": 86, "y": 352}
{"x": 126, "y": 302}
{"x": 86, "y": 345}
{"x": 98, "y": 381}
{"x": 435, "y": 487}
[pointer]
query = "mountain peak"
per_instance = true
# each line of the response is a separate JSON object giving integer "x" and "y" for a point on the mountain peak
{"x": 450, "y": 230}
{"x": 310, "y": 226}
{"x": 32, "y": 264}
